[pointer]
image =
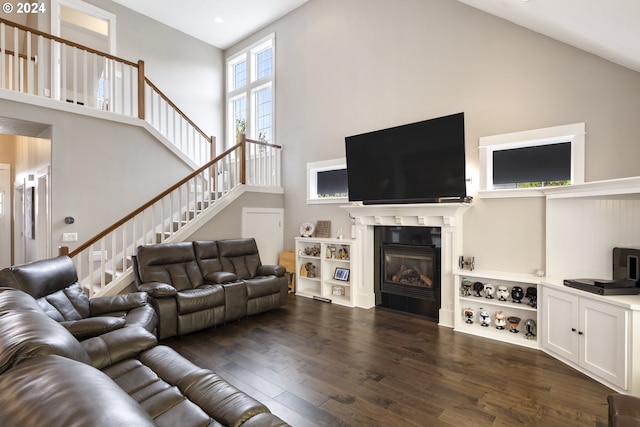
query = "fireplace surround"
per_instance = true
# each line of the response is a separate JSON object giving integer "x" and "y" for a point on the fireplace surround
{"x": 447, "y": 216}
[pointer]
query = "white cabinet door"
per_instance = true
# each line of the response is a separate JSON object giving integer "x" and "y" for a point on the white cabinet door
{"x": 604, "y": 341}
{"x": 560, "y": 321}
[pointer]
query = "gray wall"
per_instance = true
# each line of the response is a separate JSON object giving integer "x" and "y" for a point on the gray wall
{"x": 347, "y": 67}
{"x": 227, "y": 224}
{"x": 187, "y": 70}
{"x": 100, "y": 170}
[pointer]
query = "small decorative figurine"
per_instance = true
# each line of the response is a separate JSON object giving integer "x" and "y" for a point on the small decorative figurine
{"x": 484, "y": 317}
{"x": 500, "y": 319}
{"x": 532, "y": 296}
{"x": 468, "y": 314}
{"x": 530, "y": 327}
{"x": 503, "y": 293}
{"x": 488, "y": 291}
{"x": 516, "y": 294}
{"x": 467, "y": 287}
{"x": 514, "y": 321}
{"x": 478, "y": 287}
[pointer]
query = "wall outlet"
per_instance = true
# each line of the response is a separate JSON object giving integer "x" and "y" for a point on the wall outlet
{"x": 69, "y": 237}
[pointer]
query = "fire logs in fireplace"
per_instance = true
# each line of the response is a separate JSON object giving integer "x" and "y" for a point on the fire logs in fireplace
{"x": 412, "y": 276}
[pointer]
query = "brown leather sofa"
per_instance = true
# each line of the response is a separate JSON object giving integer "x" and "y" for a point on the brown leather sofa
{"x": 624, "y": 410}
{"x": 54, "y": 284}
{"x": 120, "y": 378}
{"x": 200, "y": 284}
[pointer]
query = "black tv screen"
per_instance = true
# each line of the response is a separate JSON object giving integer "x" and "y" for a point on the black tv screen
{"x": 421, "y": 162}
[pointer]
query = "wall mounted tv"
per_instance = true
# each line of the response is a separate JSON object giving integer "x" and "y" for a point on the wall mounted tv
{"x": 421, "y": 162}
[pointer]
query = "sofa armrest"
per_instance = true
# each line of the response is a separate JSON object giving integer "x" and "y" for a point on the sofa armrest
{"x": 270, "y": 270}
{"x": 124, "y": 302}
{"x": 93, "y": 326}
{"x": 158, "y": 289}
{"x": 220, "y": 277}
{"x": 118, "y": 345}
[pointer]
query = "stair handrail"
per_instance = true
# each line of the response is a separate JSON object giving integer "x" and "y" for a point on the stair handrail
{"x": 142, "y": 83}
{"x": 241, "y": 145}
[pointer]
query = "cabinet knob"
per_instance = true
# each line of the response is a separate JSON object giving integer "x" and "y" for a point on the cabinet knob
{"x": 573, "y": 329}
{"x": 580, "y": 333}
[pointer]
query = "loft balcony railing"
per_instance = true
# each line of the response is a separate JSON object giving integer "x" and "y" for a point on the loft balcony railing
{"x": 38, "y": 64}
{"x": 104, "y": 261}
{"x": 35, "y": 63}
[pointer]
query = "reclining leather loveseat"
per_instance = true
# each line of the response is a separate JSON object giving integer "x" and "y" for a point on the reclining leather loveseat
{"x": 200, "y": 284}
{"x": 120, "y": 378}
{"x": 54, "y": 284}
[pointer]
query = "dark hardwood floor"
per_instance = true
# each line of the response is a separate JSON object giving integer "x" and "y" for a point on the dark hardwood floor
{"x": 319, "y": 364}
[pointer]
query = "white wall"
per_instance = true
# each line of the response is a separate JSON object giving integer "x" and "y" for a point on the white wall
{"x": 349, "y": 67}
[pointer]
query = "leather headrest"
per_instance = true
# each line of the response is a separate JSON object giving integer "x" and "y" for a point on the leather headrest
{"x": 42, "y": 278}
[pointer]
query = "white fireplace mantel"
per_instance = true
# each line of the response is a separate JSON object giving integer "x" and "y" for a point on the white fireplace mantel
{"x": 448, "y": 216}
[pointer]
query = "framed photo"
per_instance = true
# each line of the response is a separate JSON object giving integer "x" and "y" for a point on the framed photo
{"x": 341, "y": 274}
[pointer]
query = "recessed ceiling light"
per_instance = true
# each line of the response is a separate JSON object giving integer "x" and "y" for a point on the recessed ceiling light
{"x": 218, "y": 19}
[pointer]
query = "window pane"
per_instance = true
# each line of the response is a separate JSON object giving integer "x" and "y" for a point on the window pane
{"x": 264, "y": 64}
{"x": 264, "y": 115}
{"x": 542, "y": 163}
{"x": 240, "y": 74}
{"x": 240, "y": 115}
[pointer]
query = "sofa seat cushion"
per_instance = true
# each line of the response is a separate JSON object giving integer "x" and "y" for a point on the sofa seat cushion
{"x": 93, "y": 326}
{"x": 201, "y": 298}
{"x": 55, "y": 391}
{"x": 262, "y": 286}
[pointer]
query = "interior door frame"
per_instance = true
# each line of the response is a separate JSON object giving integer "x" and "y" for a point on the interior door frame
{"x": 87, "y": 9}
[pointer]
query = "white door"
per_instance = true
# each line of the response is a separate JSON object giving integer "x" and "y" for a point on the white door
{"x": 604, "y": 329}
{"x": 43, "y": 231}
{"x": 5, "y": 215}
{"x": 560, "y": 324}
{"x": 266, "y": 226}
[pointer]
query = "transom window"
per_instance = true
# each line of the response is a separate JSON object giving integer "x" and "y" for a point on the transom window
{"x": 531, "y": 160}
{"x": 250, "y": 100}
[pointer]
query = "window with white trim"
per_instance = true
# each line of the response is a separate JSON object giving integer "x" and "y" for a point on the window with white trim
{"x": 520, "y": 163}
{"x": 250, "y": 94}
{"x": 327, "y": 181}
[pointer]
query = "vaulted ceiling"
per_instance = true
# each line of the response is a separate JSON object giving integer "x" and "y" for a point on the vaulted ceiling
{"x": 610, "y": 29}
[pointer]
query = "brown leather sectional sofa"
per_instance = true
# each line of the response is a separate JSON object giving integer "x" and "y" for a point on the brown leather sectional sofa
{"x": 119, "y": 377}
{"x": 624, "y": 410}
{"x": 200, "y": 284}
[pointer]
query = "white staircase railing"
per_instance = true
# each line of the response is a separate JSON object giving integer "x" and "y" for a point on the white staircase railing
{"x": 36, "y": 63}
{"x": 171, "y": 215}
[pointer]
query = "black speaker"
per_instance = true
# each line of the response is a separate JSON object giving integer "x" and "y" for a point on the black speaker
{"x": 626, "y": 264}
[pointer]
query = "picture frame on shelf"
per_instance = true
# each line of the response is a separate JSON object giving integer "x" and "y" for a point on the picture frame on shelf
{"x": 341, "y": 274}
{"x": 323, "y": 229}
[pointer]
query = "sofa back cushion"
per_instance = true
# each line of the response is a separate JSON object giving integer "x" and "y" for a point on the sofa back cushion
{"x": 207, "y": 256}
{"x": 171, "y": 263}
{"x": 70, "y": 303}
{"x": 27, "y": 332}
{"x": 41, "y": 278}
{"x": 239, "y": 256}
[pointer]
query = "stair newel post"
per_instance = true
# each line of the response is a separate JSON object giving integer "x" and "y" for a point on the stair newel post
{"x": 63, "y": 250}
{"x": 141, "y": 80}
{"x": 243, "y": 160}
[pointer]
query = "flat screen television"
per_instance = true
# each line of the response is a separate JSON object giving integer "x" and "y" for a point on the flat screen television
{"x": 421, "y": 162}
